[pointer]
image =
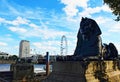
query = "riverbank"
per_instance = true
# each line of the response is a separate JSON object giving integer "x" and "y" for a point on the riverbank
{"x": 7, "y": 61}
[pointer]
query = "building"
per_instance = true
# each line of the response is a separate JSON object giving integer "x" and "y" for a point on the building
{"x": 4, "y": 55}
{"x": 24, "y": 49}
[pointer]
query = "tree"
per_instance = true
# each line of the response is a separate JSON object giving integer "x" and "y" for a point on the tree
{"x": 2, "y": 57}
{"x": 115, "y": 7}
{"x": 13, "y": 57}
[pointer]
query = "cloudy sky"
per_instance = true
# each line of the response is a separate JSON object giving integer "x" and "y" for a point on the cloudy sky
{"x": 44, "y": 22}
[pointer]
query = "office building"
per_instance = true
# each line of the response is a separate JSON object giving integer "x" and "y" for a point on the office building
{"x": 24, "y": 49}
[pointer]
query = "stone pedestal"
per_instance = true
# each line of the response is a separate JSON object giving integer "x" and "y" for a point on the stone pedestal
{"x": 22, "y": 71}
{"x": 84, "y": 71}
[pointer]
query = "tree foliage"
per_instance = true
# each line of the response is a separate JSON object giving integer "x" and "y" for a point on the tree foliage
{"x": 115, "y": 7}
{"x": 13, "y": 57}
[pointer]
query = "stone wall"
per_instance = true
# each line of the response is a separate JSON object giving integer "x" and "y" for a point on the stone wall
{"x": 22, "y": 71}
{"x": 84, "y": 71}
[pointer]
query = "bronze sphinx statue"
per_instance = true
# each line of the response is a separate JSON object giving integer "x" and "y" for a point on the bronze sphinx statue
{"x": 89, "y": 43}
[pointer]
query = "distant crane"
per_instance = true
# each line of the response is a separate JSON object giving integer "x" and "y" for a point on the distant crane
{"x": 63, "y": 47}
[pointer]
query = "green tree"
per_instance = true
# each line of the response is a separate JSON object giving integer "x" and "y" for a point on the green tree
{"x": 2, "y": 57}
{"x": 115, "y": 7}
{"x": 13, "y": 57}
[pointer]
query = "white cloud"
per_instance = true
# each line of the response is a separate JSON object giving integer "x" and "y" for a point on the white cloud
{"x": 17, "y": 29}
{"x": 70, "y": 11}
{"x": 89, "y": 11}
{"x": 50, "y": 33}
{"x": 42, "y": 30}
{"x": 8, "y": 35}
{"x": 71, "y": 6}
{"x": 3, "y": 44}
{"x": 20, "y": 20}
{"x": 75, "y": 3}
{"x": 102, "y": 20}
{"x": 106, "y": 8}
{"x": 37, "y": 44}
{"x": 2, "y": 20}
{"x": 115, "y": 27}
{"x": 12, "y": 50}
{"x": 47, "y": 46}
{"x": 6, "y": 39}
{"x": 108, "y": 24}
{"x": 44, "y": 33}
{"x": 33, "y": 25}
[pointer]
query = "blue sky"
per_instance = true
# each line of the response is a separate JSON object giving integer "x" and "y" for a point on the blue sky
{"x": 44, "y": 22}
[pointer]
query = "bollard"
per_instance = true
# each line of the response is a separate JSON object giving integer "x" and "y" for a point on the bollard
{"x": 47, "y": 64}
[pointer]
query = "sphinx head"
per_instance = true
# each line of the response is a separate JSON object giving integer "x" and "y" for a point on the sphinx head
{"x": 89, "y": 28}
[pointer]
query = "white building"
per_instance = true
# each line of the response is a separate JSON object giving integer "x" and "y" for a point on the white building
{"x": 24, "y": 49}
{"x": 4, "y": 55}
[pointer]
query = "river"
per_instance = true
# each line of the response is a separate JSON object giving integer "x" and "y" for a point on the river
{"x": 37, "y": 67}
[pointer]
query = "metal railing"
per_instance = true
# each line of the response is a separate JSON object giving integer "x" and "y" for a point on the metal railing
{"x": 3, "y": 80}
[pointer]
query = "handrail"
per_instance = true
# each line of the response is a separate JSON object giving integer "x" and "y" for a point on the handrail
{"x": 3, "y": 80}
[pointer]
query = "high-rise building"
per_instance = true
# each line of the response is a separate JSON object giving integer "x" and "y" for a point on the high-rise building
{"x": 24, "y": 49}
